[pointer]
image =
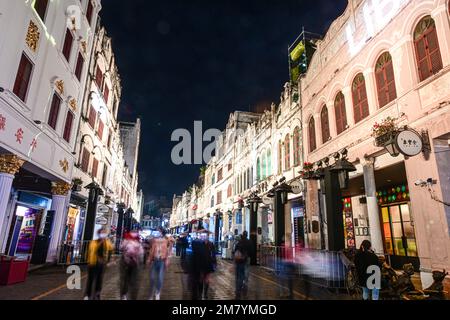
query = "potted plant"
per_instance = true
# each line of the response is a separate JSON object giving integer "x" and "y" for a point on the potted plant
{"x": 307, "y": 172}
{"x": 77, "y": 182}
{"x": 385, "y": 131}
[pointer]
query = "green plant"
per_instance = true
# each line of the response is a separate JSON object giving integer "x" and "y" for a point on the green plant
{"x": 77, "y": 181}
{"x": 388, "y": 125}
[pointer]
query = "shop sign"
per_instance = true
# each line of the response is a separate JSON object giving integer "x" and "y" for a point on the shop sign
{"x": 101, "y": 221}
{"x": 297, "y": 187}
{"x": 266, "y": 200}
{"x": 103, "y": 209}
{"x": 409, "y": 143}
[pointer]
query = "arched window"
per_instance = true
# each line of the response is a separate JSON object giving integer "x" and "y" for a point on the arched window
{"x": 312, "y": 135}
{"x": 384, "y": 73}
{"x": 428, "y": 54}
{"x": 341, "y": 115}
{"x": 297, "y": 147}
{"x": 287, "y": 152}
{"x": 280, "y": 157}
{"x": 258, "y": 170}
{"x": 325, "y": 122}
{"x": 360, "y": 102}
{"x": 264, "y": 167}
{"x": 269, "y": 163}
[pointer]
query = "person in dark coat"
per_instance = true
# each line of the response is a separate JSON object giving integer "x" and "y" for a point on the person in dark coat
{"x": 364, "y": 259}
{"x": 242, "y": 254}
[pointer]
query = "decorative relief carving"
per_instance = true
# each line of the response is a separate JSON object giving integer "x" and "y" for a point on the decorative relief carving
{"x": 60, "y": 86}
{"x": 84, "y": 46}
{"x": 61, "y": 188}
{"x": 10, "y": 163}
{"x": 33, "y": 35}
{"x": 73, "y": 104}
{"x": 64, "y": 164}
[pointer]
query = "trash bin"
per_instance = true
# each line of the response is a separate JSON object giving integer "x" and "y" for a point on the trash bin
{"x": 13, "y": 271}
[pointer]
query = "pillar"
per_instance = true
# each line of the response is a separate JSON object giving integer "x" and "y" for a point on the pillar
{"x": 371, "y": 88}
{"x": 372, "y": 206}
{"x": 60, "y": 192}
{"x": 9, "y": 165}
{"x": 279, "y": 220}
{"x": 334, "y": 211}
{"x": 253, "y": 234}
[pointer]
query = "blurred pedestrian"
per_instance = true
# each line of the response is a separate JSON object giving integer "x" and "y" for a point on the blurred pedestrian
{"x": 208, "y": 267}
{"x": 242, "y": 253}
{"x": 196, "y": 262}
{"x": 184, "y": 246}
{"x": 99, "y": 255}
{"x": 364, "y": 259}
{"x": 132, "y": 256}
{"x": 178, "y": 246}
{"x": 288, "y": 269}
{"x": 146, "y": 247}
{"x": 159, "y": 260}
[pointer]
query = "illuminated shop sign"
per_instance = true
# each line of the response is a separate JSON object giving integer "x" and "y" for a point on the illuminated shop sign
{"x": 377, "y": 14}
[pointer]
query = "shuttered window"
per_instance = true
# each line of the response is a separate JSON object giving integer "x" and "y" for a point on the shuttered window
{"x": 54, "y": 111}
{"x": 41, "y": 8}
{"x": 94, "y": 168}
{"x": 340, "y": 113}
{"x": 297, "y": 147}
{"x": 428, "y": 54}
{"x": 89, "y": 12}
{"x": 312, "y": 135}
{"x": 325, "y": 122}
{"x": 68, "y": 126}
{"x": 101, "y": 126}
{"x": 384, "y": 74}
{"x": 67, "y": 47}
{"x": 106, "y": 94}
{"x": 287, "y": 152}
{"x": 23, "y": 78}
{"x": 99, "y": 77}
{"x": 280, "y": 157}
{"x": 85, "y": 160}
{"x": 79, "y": 66}
{"x": 92, "y": 117}
{"x": 360, "y": 102}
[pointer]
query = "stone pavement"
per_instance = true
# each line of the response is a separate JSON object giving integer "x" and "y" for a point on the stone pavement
{"x": 50, "y": 284}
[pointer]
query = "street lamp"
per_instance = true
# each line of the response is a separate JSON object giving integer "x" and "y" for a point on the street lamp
{"x": 391, "y": 146}
{"x": 284, "y": 190}
{"x": 342, "y": 167}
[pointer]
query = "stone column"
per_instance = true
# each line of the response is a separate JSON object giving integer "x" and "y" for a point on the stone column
{"x": 372, "y": 206}
{"x": 371, "y": 88}
{"x": 9, "y": 166}
{"x": 60, "y": 192}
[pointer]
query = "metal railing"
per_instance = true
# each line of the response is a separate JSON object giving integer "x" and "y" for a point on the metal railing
{"x": 322, "y": 268}
{"x": 73, "y": 253}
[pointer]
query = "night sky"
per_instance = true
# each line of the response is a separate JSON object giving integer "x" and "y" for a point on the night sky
{"x": 187, "y": 60}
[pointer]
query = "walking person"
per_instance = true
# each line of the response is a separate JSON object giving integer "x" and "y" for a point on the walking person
{"x": 242, "y": 255}
{"x": 288, "y": 269}
{"x": 99, "y": 254}
{"x": 209, "y": 266}
{"x": 159, "y": 260}
{"x": 364, "y": 259}
{"x": 132, "y": 256}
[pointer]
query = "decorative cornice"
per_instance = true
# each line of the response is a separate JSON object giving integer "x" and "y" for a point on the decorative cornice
{"x": 10, "y": 163}
{"x": 61, "y": 188}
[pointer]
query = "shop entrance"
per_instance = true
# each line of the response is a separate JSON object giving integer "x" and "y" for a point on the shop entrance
{"x": 399, "y": 237}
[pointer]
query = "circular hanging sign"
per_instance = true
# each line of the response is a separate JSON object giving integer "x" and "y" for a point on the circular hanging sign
{"x": 409, "y": 143}
{"x": 297, "y": 187}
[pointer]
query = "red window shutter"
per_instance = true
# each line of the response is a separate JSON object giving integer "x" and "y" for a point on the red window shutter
{"x": 340, "y": 113}
{"x": 99, "y": 78}
{"x": 434, "y": 51}
{"x": 280, "y": 157}
{"x": 360, "y": 103}
{"x": 287, "y": 153}
{"x": 325, "y": 125}
{"x": 54, "y": 111}
{"x": 41, "y": 8}
{"x": 67, "y": 47}
{"x": 106, "y": 94}
{"x": 109, "y": 139}
{"x": 79, "y": 67}
{"x": 100, "y": 129}
{"x": 296, "y": 147}
{"x": 23, "y": 78}
{"x": 68, "y": 126}
{"x": 89, "y": 12}
{"x": 85, "y": 160}
{"x": 92, "y": 117}
{"x": 312, "y": 135}
{"x": 94, "y": 168}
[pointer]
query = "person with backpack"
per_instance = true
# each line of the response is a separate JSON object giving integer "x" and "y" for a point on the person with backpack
{"x": 132, "y": 256}
{"x": 242, "y": 253}
{"x": 99, "y": 254}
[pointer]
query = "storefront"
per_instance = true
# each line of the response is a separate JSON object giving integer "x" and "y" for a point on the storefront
{"x": 296, "y": 209}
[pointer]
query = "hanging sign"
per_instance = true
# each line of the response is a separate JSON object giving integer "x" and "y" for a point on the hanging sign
{"x": 409, "y": 143}
{"x": 297, "y": 187}
{"x": 101, "y": 221}
{"x": 102, "y": 209}
{"x": 267, "y": 200}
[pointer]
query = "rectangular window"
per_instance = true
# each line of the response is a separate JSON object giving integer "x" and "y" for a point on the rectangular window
{"x": 89, "y": 12}
{"x": 101, "y": 126}
{"x": 79, "y": 67}
{"x": 99, "y": 77}
{"x": 23, "y": 78}
{"x": 110, "y": 138}
{"x": 220, "y": 175}
{"x": 54, "y": 111}
{"x": 106, "y": 94}
{"x": 92, "y": 117}
{"x": 94, "y": 168}
{"x": 68, "y": 126}
{"x": 219, "y": 197}
{"x": 41, "y": 8}
{"x": 85, "y": 160}
{"x": 67, "y": 48}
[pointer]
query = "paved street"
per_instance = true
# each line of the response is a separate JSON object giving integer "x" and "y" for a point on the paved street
{"x": 50, "y": 284}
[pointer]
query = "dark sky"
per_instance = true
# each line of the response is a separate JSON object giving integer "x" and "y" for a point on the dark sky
{"x": 187, "y": 60}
